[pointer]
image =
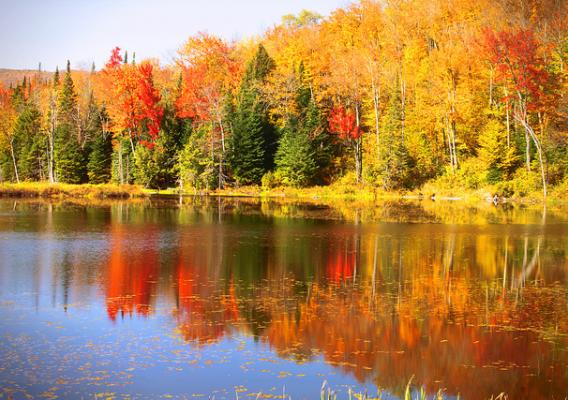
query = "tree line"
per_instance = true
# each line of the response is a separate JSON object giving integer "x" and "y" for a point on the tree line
{"x": 385, "y": 93}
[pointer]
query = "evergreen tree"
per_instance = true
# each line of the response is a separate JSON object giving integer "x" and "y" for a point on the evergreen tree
{"x": 295, "y": 157}
{"x": 30, "y": 144}
{"x": 69, "y": 156}
{"x": 253, "y": 143}
{"x": 56, "y": 77}
{"x": 100, "y": 155}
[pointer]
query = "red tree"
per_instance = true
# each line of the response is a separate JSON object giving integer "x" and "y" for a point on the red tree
{"x": 150, "y": 112}
{"x": 521, "y": 69}
{"x": 345, "y": 123}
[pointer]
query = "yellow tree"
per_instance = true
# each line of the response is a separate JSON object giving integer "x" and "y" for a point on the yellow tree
{"x": 209, "y": 73}
{"x": 8, "y": 116}
{"x": 342, "y": 42}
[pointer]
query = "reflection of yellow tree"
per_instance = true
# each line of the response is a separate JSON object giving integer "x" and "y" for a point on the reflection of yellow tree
{"x": 435, "y": 309}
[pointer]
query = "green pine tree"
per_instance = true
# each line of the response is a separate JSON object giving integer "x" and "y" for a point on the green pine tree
{"x": 56, "y": 77}
{"x": 100, "y": 155}
{"x": 70, "y": 165}
{"x": 30, "y": 144}
{"x": 254, "y": 141}
{"x": 295, "y": 159}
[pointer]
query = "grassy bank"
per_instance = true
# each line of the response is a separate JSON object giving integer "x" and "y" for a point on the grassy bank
{"x": 337, "y": 191}
{"x": 558, "y": 195}
{"x": 62, "y": 190}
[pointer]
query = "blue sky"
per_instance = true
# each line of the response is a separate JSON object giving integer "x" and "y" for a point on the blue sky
{"x": 52, "y": 31}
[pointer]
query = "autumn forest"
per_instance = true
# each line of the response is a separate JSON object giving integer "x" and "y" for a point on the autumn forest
{"x": 388, "y": 94}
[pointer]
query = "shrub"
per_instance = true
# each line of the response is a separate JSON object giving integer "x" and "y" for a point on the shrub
{"x": 271, "y": 180}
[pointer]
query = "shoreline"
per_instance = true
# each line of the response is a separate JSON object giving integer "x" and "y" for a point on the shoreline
{"x": 361, "y": 193}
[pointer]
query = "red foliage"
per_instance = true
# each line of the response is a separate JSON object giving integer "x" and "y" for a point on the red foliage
{"x": 115, "y": 59}
{"x": 208, "y": 71}
{"x": 5, "y": 96}
{"x": 343, "y": 123}
{"x": 518, "y": 63}
{"x": 150, "y": 111}
{"x": 134, "y": 100}
{"x": 340, "y": 265}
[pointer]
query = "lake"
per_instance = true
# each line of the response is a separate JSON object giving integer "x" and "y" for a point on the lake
{"x": 242, "y": 298}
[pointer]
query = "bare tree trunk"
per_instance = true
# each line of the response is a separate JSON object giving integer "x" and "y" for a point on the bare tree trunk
{"x": 527, "y": 149}
{"x": 453, "y": 131}
{"x": 14, "y": 160}
{"x": 508, "y": 124}
{"x": 490, "y": 87}
{"x": 376, "y": 99}
{"x": 52, "y": 127}
{"x": 127, "y": 168}
{"x": 120, "y": 166}
{"x": 451, "y": 137}
{"x": 358, "y": 152}
{"x": 220, "y": 122}
{"x": 131, "y": 143}
{"x": 452, "y": 119}
{"x": 530, "y": 132}
{"x": 403, "y": 106}
{"x": 50, "y": 156}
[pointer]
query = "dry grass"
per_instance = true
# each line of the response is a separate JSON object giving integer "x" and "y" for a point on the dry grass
{"x": 62, "y": 190}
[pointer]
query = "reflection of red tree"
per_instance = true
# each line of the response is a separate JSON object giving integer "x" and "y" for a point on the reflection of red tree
{"x": 204, "y": 314}
{"x": 340, "y": 263}
{"x": 132, "y": 275}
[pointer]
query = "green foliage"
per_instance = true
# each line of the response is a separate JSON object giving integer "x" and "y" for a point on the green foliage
{"x": 30, "y": 145}
{"x": 322, "y": 143}
{"x": 100, "y": 159}
{"x": 123, "y": 164}
{"x": 154, "y": 167}
{"x": 196, "y": 168}
{"x": 253, "y": 141}
{"x": 70, "y": 165}
{"x": 295, "y": 161}
{"x": 67, "y": 104}
{"x": 259, "y": 67}
{"x": 270, "y": 180}
{"x": 174, "y": 134}
{"x": 99, "y": 146}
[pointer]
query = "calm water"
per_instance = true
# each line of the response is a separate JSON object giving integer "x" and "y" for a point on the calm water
{"x": 217, "y": 297}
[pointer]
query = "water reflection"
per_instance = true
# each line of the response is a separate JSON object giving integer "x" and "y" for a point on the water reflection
{"x": 471, "y": 301}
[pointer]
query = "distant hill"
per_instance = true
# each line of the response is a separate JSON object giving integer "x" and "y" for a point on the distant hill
{"x": 13, "y": 76}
